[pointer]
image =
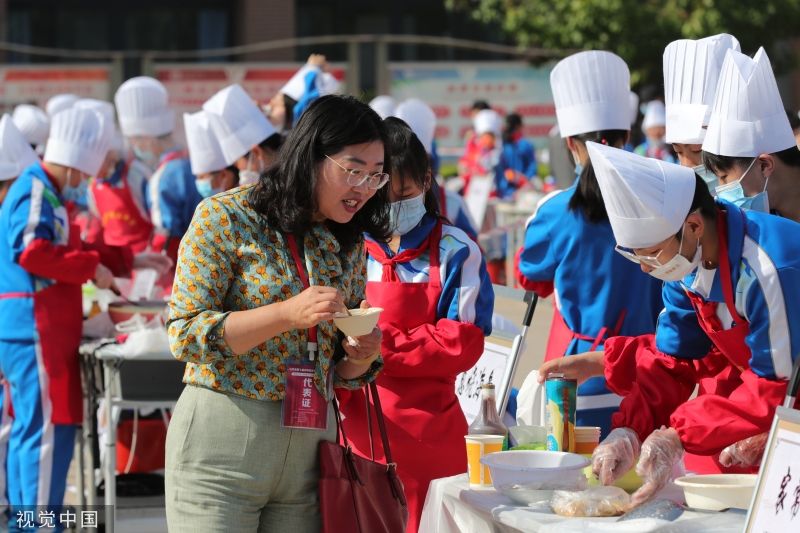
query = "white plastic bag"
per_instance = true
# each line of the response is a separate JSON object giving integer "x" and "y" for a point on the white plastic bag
{"x": 145, "y": 339}
{"x": 596, "y": 501}
{"x": 530, "y": 401}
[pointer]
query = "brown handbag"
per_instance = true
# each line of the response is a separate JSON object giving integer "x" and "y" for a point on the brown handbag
{"x": 359, "y": 495}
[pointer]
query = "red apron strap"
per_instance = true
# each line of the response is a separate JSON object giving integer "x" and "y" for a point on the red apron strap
{"x": 434, "y": 278}
{"x": 442, "y": 201}
{"x": 725, "y": 267}
{"x": 300, "y": 265}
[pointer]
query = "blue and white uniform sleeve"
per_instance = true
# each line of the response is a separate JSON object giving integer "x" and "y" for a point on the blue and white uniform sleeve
{"x": 772, "y": 310}
{"x": 32, "y": 217}
{"x": 467, "y": 294}
{"x": 176, "y": 198}
{"x": 538, "y": 260}
{"x": 678, "y": 332}
{"x": 310, "y": 94}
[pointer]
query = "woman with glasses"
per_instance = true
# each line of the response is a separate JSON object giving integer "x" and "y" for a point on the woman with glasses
{"x": 569, "y": 246}
{"x": 730, "y": 322}
{"x": 438, "y": 301}
{"x": 261, "y": 273}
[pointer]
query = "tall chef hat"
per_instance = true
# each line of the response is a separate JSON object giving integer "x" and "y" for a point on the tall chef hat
{"x": 421, "y": 118}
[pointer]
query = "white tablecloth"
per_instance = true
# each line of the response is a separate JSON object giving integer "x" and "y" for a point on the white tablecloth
{"x": 452, "y": 507}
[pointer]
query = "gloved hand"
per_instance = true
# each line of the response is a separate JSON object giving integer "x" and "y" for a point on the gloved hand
{"x": 746, "y": 452}
{"x": 615, "y": 455}
{"x": 158, "y": 262}
{"x": 660, "y": 452}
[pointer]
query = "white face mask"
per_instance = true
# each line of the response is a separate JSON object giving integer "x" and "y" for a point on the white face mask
{"x": 678, "y": 267}
{"x": 406, "y": 214}
{"x": 249, "y": 176}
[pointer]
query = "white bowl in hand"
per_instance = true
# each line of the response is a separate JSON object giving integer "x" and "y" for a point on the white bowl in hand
{"x": 715, "y": 492}
{"x": 523, "y": 475}
{"x": 359, "y": 322}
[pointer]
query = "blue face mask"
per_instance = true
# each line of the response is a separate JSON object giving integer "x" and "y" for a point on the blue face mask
{"x": 77, "y": 194}
{"x": 709, "y": 177}
{"x": 145, "y": 156}
{"x": 205, "y": 188}
{"x": 734, "y": 193}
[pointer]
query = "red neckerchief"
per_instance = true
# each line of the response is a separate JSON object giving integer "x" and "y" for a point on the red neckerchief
{"x": 376, "y": 251}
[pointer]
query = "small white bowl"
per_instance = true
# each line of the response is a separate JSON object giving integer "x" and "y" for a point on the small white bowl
{"x": 359, "y": 322}
{"x": 525, "y": 475}
{"x": 715, "y": 492}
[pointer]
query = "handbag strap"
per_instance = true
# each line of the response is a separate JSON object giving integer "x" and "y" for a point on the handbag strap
{"x": 369, "y": 425}
{"x": 373, "y": 389}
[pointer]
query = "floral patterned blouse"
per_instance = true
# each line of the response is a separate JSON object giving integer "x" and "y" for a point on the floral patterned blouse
{"x": 230, "y": 261}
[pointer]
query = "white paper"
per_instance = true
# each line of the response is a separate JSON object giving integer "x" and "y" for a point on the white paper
{"x": 489, "y": 369}
{"x": 778, "y": 509}
{"x": 477, "y": 198}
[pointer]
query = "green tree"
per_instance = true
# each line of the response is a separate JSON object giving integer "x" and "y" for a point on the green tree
{"x": 638, "y": 30}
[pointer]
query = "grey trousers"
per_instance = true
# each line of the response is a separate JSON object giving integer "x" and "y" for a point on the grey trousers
{"x": 231, "y": 467}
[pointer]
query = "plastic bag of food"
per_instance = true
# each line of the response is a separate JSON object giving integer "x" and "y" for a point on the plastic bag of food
{"x": 596, "y": 501}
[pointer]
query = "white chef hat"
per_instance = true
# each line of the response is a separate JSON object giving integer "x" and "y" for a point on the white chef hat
{"x": 32, "y": 122}
{"x": 591, "y": 92}
{"x": 237, "y": 122}
{"x": 647, "y": 200}
{"x": 296, "y": 86}
{"x": 15, "y": 151}
{"x": 748, "y": 117}
{"x": 384, "y": 105}
{"x": 78, "y": 139}
{"x": 633, "y": 99}
{"x": 421, "y": 118}
{"x": 487, "y": 121}
{"x": 654, "y": 115}
{"x": 107, "y": 110}
{"x": 143, "y": 108}
{"x": 205, "y": 154}
{"x": 60, "y": 102}
{"x": 691, "y": 71}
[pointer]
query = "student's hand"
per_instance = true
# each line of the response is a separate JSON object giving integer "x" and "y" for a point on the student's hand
{"x": 158, "y": 262}
{"x": 103, "y": 278}
{"x": 312, "y": 306}
{"x": 364, "y": 349}
{"x": 747, "y": 452}
{"x": 661, "y": 451}
{"x": 580, "y": 366}
{"x": 615, "y": 455}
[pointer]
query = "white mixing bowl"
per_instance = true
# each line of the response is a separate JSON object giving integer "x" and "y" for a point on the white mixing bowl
{"x": 715, "y": 492}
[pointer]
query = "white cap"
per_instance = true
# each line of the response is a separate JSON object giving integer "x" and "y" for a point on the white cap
{"x": 748, "y": 117}
{"x": 296, "y": 86}
{"x": 487, "y": 121}
{"x": 59, "y": 103}
{"x": 143, "y": 108}
{"x": 107, "y": 110}
{"x": 691, "y": 71}
{"x": 591, "y": 92}
{"x": 633, "y": 99}
{"x": 647, "y": 200}
{"x": 654, "y": 115}
{"x": 78, "y": 139}
{"x": 421, "y": 118}
{"x": 32, "y": 122}
{"x": 383, "y": 105}
{"x": 237, "y": 121}
{"x": 205, "y": 154}
{"x": 15, "y": 151}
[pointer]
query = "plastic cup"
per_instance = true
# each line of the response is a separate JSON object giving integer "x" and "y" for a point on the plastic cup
{"x": 586, "y": 439}
{"x": 477, "y": 447}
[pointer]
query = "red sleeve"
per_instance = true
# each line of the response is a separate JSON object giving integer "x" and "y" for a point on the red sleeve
{"x": 62, "y": 263}
{"x": 118, "y": 259}
{"x": 653, "y": 384}
{"x": 541, "y": 288}
{"x": 442, "y": 350}
{"x": 711, "y": 422}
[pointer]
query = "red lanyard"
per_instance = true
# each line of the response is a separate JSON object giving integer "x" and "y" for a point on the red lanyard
{"x": 301, "y": 271}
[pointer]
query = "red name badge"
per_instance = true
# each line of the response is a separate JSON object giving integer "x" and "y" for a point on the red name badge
{"x": 303, "y": 406}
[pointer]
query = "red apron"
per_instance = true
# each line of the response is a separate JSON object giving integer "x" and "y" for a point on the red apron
{"x": 58, "y": 318}
{"x": 732, "y": 350}
{"x": 561, "y": 336}
{"x": 425, "y": 422}
{"x": 122, "y": 221}
{"x": 442, "y": 201}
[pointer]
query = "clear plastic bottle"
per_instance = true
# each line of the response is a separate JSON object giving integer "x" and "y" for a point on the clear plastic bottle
{"x": 488, "y": 421}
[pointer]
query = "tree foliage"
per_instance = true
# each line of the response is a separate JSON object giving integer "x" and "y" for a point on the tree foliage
{"x": 638, "y": 30}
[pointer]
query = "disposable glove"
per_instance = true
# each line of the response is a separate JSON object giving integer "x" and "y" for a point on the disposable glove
{"x": 661, "y": 451}
{"x": 615, "y": 455}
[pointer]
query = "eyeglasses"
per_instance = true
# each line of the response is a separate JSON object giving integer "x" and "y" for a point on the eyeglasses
{"x": 630, "y": 255}
{"x": 357, "y": 177}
